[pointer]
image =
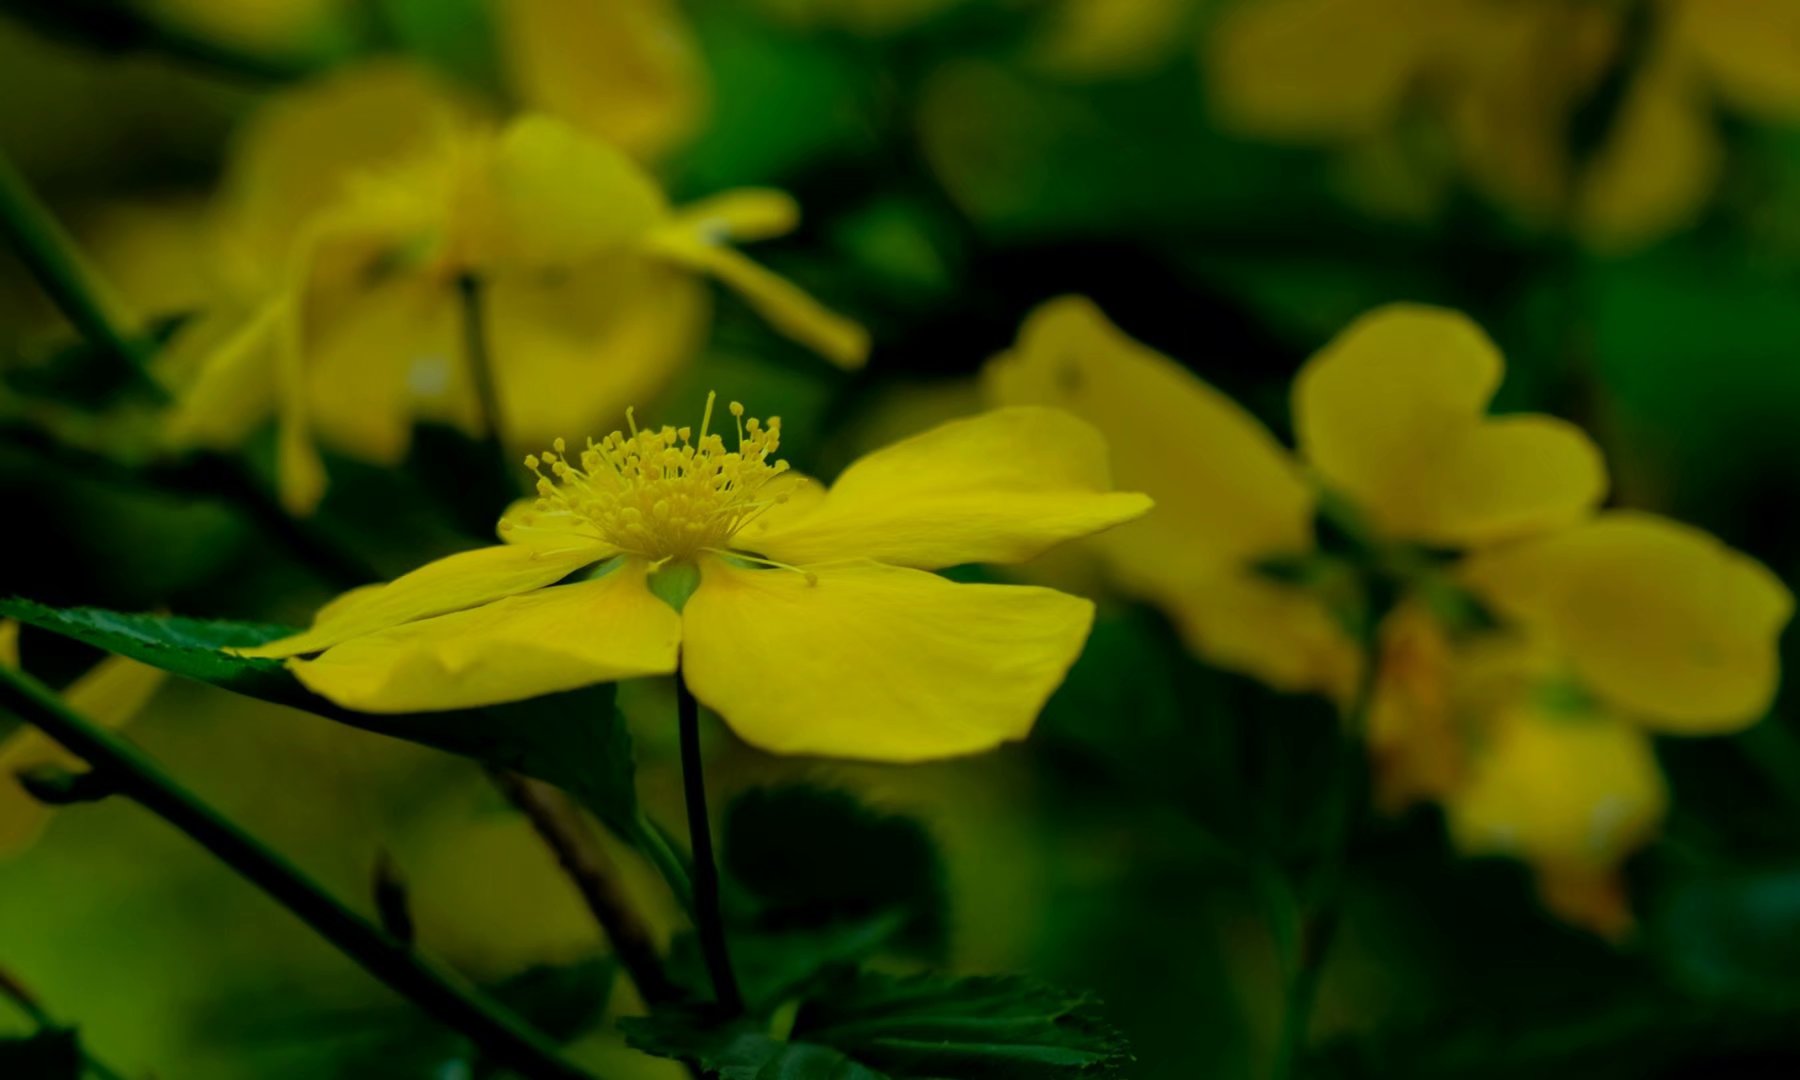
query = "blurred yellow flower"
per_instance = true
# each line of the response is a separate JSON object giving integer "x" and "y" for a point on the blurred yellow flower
{"x": 111, "y": 693}
{"x": 1511, "y": 87}
{"x": 813, "y": 624}
{"x": 356, "y": 209}
{"x": 625, "y": 71}
{"x": 1530, "y": 637}
{"x": 1390, "y": 422}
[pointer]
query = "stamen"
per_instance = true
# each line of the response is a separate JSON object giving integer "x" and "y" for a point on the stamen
{"x": 662, "y": 493}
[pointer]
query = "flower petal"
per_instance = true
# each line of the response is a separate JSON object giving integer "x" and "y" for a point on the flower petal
{"x": 787, "y": 307}
{"x": 562, "y": 197}
{"x": 876, "y": 662}
{"x": 1278, "y": 634}
{"x": 514, "y": 648}
{"x": 1320, "y": 69}
{"x": 392, "y": 342}
{"x": 1226, "y": 492}
{"x": 625, "y": 70}
{"x": 1657, "y": 617}
{"x": 742, "y": 215}
{"x": 464, "y": 580}
{"x": 1751, "y": 51}
{"x": 1565, "y": 793}
{"x": 1658, "y": 166}
{"x": 999, "y": 487}
{"x": 1391, "y": 415}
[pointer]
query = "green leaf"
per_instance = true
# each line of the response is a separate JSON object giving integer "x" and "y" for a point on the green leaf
{"x": 740, "y": 1051}
{"x": 907, "y": 1028}
{"x": 1733, "y": 937}
{"x": 51, "y": 1054}
{"x": 575, "y": 740}
{"x": 856, "y": 863}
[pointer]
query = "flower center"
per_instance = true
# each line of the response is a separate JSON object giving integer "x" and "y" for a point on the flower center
{"x": 662, "y": 493}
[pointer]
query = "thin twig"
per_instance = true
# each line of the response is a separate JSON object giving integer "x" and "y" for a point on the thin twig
{"x": 563, "y": 832}
{"x": 501, "y": 1035}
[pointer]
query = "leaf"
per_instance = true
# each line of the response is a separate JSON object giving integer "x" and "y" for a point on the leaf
{"x": 856, "y": 863}
{"x": 51, "y": 1054}
{"x": 907, "y": 1028}
{"x": 575, "y": 740}
{"x": 740, "y": 1051}
{"x": 1733, "y": 937}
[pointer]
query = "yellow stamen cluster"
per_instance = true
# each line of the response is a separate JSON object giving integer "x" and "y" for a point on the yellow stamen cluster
{"x": 663, "y": 494}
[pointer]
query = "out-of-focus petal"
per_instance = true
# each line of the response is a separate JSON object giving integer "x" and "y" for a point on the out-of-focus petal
{"x": 1391, "y": 415}
{"x": 999, "y": 487}
{"x": 1749, "y": 48}
{"x": 392, "y": 342}
{"x": 1226, "y": 492}
{"x": 876, "y": 662}
{"x": 514, "y": 648}
{"x": 742, "y": 215}
{"x": 1274, "y": 632}
{"x": 562, "y": 197}
{"x": 787, "y": 307}
{"x": 1659, "y": 618}
{"x": 1658, "y": 165}
{"x": 1320, "y": 69}
{"x": 628, "y": 71}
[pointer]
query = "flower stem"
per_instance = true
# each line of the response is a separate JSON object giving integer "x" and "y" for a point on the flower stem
{"x": 557, "y": 824}
{"x": 499, "y": 1034}
{"x": 707, "y": 915}
{"x": 480, "y": 359}
{"x": 1346, "y": 802}
{"x": 51, "y": 255}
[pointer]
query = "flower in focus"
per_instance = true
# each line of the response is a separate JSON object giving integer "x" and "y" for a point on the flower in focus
{"x": 588, "y": 278}
{"x": 1506, "y": 93}
{"x": 1528, "y": 646}
{"x": 111, "y": 693}
{"x": 806, "y": 617}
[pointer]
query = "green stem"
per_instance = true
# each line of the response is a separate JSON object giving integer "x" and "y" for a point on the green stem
{"x": 1347, "y": 802}
{"x": 51, "y": 255}
{"x": 707, "y": 914}
{"x": 480, "y": 359}
{"x": 656, "y": 846}
{"x": 14, "y": 991}
{"x": 486, "y": 1023}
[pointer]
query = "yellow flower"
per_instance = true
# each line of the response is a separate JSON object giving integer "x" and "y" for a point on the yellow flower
{"x": 1505, "y": 84}
{"x": 625, "y": 71}
{"x": 813, "y": 625}
{"x": 360, "y": 205}
{"x": 1390, "y": 420}
{"x": 1534, "y": 645}
{"x": 113, "y": 692}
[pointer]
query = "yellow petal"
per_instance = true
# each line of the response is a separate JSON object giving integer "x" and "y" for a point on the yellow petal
{"x": 299, "y": 470}
{"x": 296, "y": 155}
{"x": 221, "y": 368}
{"x": 393, "y": 342}
{"x": 1226, "y": 492}
{"x": 1417, "y": 746}
{"x": 1084, "y": 39}
{"x": 563, "y": 197}
{"x": 742, "y": 215}
{"x": 1658, "y": 166}
{"x": 876, "y": 662}
{"x": 1279, "y": 635}
{"x": 999, "y": 487}
{"x": 574, "y": 349}
{"x": 1321, "y": 69}
{"x": 787, "y": 307}
{"x": 514, "y": 648}
{"x": 1573, "y": 792}
{"x": 1659, "y": 618}
{"x": 1391, "y": 415}
{"x": 464, "y": 580}
{"x": 113, "y": 691}
{"x": 1750, "y": 49}
{"x": 628, "y": 71}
